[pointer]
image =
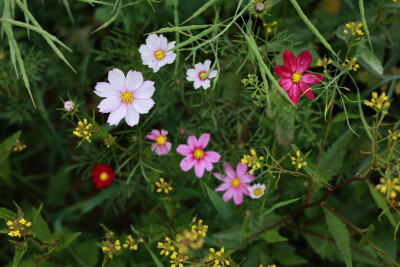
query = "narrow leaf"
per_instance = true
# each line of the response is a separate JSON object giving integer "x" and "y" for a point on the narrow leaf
{"x": 280, "y": 204}
{"x": 370, "y": 59}
{"x": 201, "y": 10}
{"x": 220, "y": 205}
{"x": 381, "y": 202}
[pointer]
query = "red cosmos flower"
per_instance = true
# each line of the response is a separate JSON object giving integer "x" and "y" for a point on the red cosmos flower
{"x": 102, "y": 175}
{"x": 294, "y": 80}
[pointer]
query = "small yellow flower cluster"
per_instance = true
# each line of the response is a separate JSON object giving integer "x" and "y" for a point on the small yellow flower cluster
{"x": 395, "y": 135}
{"x": 218, "y": 258}
{"x": 270, "y": 25}
{"x": 19, "y": 227}
{"x": 163, "y": 186}
{"x": 351, "y": 64}
{"x": 166, "y": 246}
{"x": 84, "y": 130}
{"x": 269, "y": 265}
{"x": 252, "y": 161}
{"x": 19, "y": 146}
{"x": 355, "y": 29}
{"x": 298, "y": 162}
{"x": 378, "y": 103}
{"x": 177, "y": 259}
{"x": 324, "y": 62}
{"x": 109, "y": 248}
{"x": 389, "y": 187}
{"x": 130, "y": 243}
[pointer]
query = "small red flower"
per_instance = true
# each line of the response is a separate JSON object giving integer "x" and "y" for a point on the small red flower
{"x": 294, "y": 80}
{"x": 102, "y": 175}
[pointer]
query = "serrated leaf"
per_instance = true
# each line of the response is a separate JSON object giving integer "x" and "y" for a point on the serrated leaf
{"x": 340, "y": 234}
{"x": 7, "y": 214}
{"x": 289, "y": 258}
{"x": 274, "y": 237}
{"x": 332, "y": 159}
{"x": 19, "y": 253}
{"x": 67, "y": 239}
{"x": 32, "y": 218}
{"x": 280, "y": 204}
{"x": 381, "y": 202}
{"x": 370, "y": 59}
{"x": 220, "y": 205}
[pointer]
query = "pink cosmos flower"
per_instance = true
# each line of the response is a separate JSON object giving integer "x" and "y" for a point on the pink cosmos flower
{"x": 294, "y": 80}
{"x": 199, "y": 76}
{"x": 161, "y": 145}
{"x": 69, "y": 106}
{"x": 196, "y": 156}
{"x": 125, "y": 96}
{"x": 154, "y": 52}
{"x": 236, "y": 184}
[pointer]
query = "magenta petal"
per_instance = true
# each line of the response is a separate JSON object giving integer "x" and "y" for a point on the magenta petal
{"x": 283, "y": 72}
{"x": 164, "y": 132}
{"x": 312, "y": 78}
{"x": 168, "y": 147}
{"x": 199, "y": 167}
{"x": 203, "y": 140}
{"x": 241, "y": 169}
{"x": 294, "y": 93}
{"x": 304, "y": 61}
{"x": 306, "y": 90}
{"x": 208, "y": 165}
{"x": 229, "y": 171}
{"x": 192, "y": 142}
{"x": 184, "y": 150}
{"x": 222, "y": 187}
{"x": 227, "y": 195}
{"x": 244, "y": 188}
{"x": 290, "y": 60}
{"x": 286, "y": 84}
{"x": 187, "y": 163}
{"x": 238, "y": 197}
{"x": 154, "y": 146}
{"x": 218, "y": 176}
{"x": 247, "y": 178}
{"x": 212, "y": 156}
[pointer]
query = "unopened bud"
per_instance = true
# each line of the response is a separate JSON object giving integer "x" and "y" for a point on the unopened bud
{"x": 182, "y": 131}
{"x": 69, "y": 106}
{"x": 260, "y": 7}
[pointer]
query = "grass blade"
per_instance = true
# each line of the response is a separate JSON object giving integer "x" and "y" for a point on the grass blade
{"x": 364, "y": 22}
{"x": 200, "y": 10}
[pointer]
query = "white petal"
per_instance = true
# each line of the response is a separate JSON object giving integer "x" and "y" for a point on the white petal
{"x": 192, "y": 79}
{"x": 199, "y": 67}
{"x": 109, "y": 104}
{"x": 145, "y": 50}
{"x": 170, "y": 58}
{"x": 106, "y": 90}
{"x": 147, "y": 59}
{"x": 213, "y": 74}
{"x": 146, "y": 90}
{"x": 155, "y": 68}
{"x": 205, "y": 84}
{"x": 170, "y": 46}
{"x": 197, "y": 84}
{"x": 117, "y": 79}
{"x": 134, "y": 80}
{"x": 207, "y": 65}
{"x": 143, "y": 106}
{"x": 131, "y": 117}
{"x": 163, "y": 42}
{"x": 117, "y": 115}
{"x": 192, "y": 73}
{"x": 153, "y": 42}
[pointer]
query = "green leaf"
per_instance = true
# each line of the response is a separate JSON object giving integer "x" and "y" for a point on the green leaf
{"x": 7, "y": 214}
{"x": 274, "y": 237}
{"x": 342, "y": 117}
{"x": 289, "y": 258}
{"x": 391, "y": 5}
{"x": 332, "y": 159}
{"x": 41, "y": 229}
{"x": 32, "y": 218}
{"x": 220, "y": 205}
{"x": 19, "y": 253}
{"x": 340, "y": 234}
{"x": 364, "y": 21}
{"x": 201, "y": 10}
{"x": 370, "y": 59}
{"x": 67, "y": 239}
{"x": 381, "y": 202}
{"x": 7, "y": 146}
{"x": 280, "y": 204}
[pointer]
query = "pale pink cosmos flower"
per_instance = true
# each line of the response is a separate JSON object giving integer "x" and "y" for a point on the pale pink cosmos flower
{"x": 199, "y": 76}
{"x": 196, "y": 156}
{"x": 125, "y": 96}
{"x": 154, "y": 52}
{"x": 69, "y": 106}
{"x": 161, "y": 145}
{"x": 236, "y": 184}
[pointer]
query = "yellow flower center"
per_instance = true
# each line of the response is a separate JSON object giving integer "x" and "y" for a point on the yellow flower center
{"x": 258, "y": 192}
{"x": 127, "y": 97}
{"x": 203, "y": 75}
{"x": 159, "y": 54}
{"x": 103, "y": 176}
{"x": 236, "y": 182}
{"x": 198, "y": 153}
{"x": 296, "y": 77}
{"x": 161, "y": 140}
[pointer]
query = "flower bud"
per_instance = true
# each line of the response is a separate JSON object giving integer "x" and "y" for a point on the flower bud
{"x": 69, "y": 106}
{"x": 182, "y": 131}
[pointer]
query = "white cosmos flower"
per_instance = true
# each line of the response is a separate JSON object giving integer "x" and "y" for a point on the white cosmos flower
{"x": 256, "y": 190}
{"x": 125, "y": 96}
{"x": 198, "y": 75}
{"x": 154, "y": 52}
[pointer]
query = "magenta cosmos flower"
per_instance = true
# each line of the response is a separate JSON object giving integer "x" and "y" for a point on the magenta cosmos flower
{"x": 199, "y": 76}
{"x": 196, "y": 156}
{"x": 236, "y": 184}
{"x": 126, "y": 97}
{"x": 161, "y": 145}
{"x": 154, "y": 52}
{"x": 294, "y": 81}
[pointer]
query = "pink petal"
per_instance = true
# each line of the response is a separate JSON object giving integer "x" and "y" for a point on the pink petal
{"x": 286, "y": 84}
{"x": 305, "y": 88}
{"x": 312, "y": 78}
{"x": 154, "y": 146}
{"x": 164, "y": 132}
{"x": 247, "y": 178}
{"x": 290, "y": 60}
{"x": 230, "y": 172}
{"x": 153, "y": 42}
{"x": 241, "y": 169}
{"x": 146, "y": 90}
{"x": 160, "y": 151}
{"x": 134, "y": 79}
{"x": 106, "y": 90}
{"x": 212, "y": 156}
{"x": 155, "y": 132}
{"x": 228, "y": 195}
{"x": 199, "y": 167}
{"x": 170, "y": 46}
{"x": 203, "y": 140}
{"x": 244, "y": 188}
{"x": 218, "y": 176}
{"x": 184, "y": 150}
{"x": 238, "y": 197}
{"x": 131, "y": 117}
{"x": 192, "y": 142}
{"x": 117, "y": 79}
{"x": 222, "y": 187}
{"x": 117, "y": 115}
{"x": 187, "y": 163}
{"x": 294, "y": 93}
{"x": 143, "y": 106}
{"x": 168, "y": 146}
{"x": 109, "y": 104}
{"x": 304, "y": 61}
{"x": 283, "y": 72}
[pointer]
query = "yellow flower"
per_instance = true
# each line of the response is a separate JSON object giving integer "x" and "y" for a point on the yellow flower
{"x": 252, "y": 161}
{"x": 218, "y": 258}
{"x": 389, "y": 187}
{"x": 19, "y": 146}
{"x": 177, "y": 259}
{"x": 379, "y": 104}
{"x": 166, "y": 247}
{"x": 351, "y": 64}
{"x": 130, "y": 242}
{"x": 18, "y": 227}
{"x": 163, "y": 186}
{"x": 298, "y": 160}
{"x": 84, "y": 130}
{"x": 355, "y": 29}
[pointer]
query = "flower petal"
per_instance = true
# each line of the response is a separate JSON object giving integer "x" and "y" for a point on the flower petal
{"x": 163, "y": 42}
{"x": 212, "y": 156}
{"x": 170, "y": 58}
{"x": 304, "y": 61}
{"x": 228, "y": 195}
{"x": 283, "y": 72}
{"x": 145, "y": 51}
{"x": 306, "y": 90}
{"x": 153, "y": 42}
{"x": 197, "y": 84}
{"x": 203, "y": 140}
{"x": 218, "y": 176}
{"x": 207, "y": 65}
{"x": 238, "y": 197}
{"x": 184, "y": 150}
{"x": 146, "y": 90}
{"x": 212, "y": 74}
{"x": 117, "y": 79}
{"x": 109, "y": 104}
{"x": 117, "y": 115}
{"x": 168, "y": 146}
{"x": 205, "y": 84}
{"x": 164, "y": 132}
{"x": 192, "y": 73}
{"x": 312, "y": 78}
{"x": 199, "y": 167}
{"x": 229, "y": 171}
{"x": 290, "y": 60}
{"x": 187, "y": 163}
{"x": 192, "y": 142}
{"x": 294, "y": 93}
{"x": 247, "y": 178}
{"x": 132, "y": 116}
{"x": 104, "y": 89}
{"x": 241, "y": 169}
{"x": 134, "y": 79}
{"x": 286, "y": 84}
{"x": 143, "y": 106}
{"x": 222, "y": 187}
